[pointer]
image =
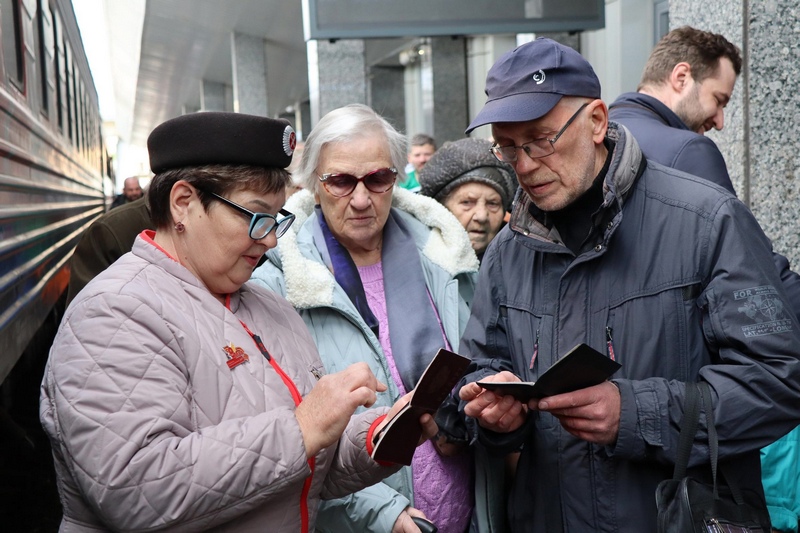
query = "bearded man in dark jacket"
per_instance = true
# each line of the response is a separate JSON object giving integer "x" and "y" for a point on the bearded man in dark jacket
{"x": 664, "y": 272}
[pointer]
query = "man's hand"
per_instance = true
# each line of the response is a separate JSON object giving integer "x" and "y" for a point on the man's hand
{"x": 591, "y": 414}
{"x": 325, "y": 411}
{"x": 502, "y": 414}
{"x": 404, "y": 524}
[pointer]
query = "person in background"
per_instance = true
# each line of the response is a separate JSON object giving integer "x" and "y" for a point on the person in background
{"x": 380, "y": 276}
{"x": 664, "y": 272}
{"x": 420, "y": 150}
{"x": 131, "y": 190}
{"x": 780, "y": 472}
{"x": 108, "y": 238}
{"x": 478, "y": 189}
{"x": 179, "y": 396}
{"x": 686, "y": 84}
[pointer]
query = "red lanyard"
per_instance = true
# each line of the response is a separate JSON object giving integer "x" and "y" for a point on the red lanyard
{"x": 297, "y": 399}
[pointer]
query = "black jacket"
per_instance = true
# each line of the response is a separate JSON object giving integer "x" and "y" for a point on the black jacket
{"x": 665, "y": 139}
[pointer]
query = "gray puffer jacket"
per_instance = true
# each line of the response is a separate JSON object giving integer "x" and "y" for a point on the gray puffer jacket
{"x": 680, "y": 285}
{"x": 150, "y": 428}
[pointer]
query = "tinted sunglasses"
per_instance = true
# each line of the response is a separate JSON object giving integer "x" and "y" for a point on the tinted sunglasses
{"x": 377, "y": 181}
{"x": 261, "y": 223}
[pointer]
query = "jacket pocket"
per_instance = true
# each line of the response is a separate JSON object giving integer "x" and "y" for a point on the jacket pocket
{"x": 530, "y": 341}
{"x": 653, "y": 334}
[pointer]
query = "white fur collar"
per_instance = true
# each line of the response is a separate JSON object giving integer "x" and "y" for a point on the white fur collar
{"x": 309, "y": 283}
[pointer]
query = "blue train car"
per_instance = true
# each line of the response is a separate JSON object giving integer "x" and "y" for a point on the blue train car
{"x": 52, "y": 165}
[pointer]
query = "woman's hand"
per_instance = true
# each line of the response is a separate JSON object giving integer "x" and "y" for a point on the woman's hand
{"x": 325, "y": 412}
{"x": 404, "y": 524}
{"x": 429, "y": 427}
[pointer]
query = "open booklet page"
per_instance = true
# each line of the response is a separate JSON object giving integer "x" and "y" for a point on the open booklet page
{"x": 581, "y": 367}
{"x": 399, "y": 437}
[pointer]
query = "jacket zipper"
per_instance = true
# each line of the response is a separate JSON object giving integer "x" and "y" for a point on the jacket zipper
{"x": 535, "y": 349}
{"x": 610, "y": 343}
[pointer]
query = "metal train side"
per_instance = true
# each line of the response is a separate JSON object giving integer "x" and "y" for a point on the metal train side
{"x": 52, "y": 164}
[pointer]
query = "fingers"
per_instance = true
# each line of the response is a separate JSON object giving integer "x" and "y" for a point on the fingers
{"x": 404, "y": 524}
{"x": 498, "y": 413}
{"x": 472, "y": 390}
{"x": 413, "y": 511}
{"x": 326, "y": 409}
{"x": 429, "y": 427}
{"x": 591, "y": 414}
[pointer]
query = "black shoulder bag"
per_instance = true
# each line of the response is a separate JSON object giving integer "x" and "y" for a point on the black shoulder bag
{"x": 686, "y": 504}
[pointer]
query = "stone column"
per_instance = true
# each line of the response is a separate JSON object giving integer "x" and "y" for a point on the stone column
{"x": 212, "y": 96}
{"x": 387, "y": 95}
{"x": 450, "y": 106}
{"x": 762, "y": 121}
{"x": 336, "y": 75}
{"x": 249, "y": 70}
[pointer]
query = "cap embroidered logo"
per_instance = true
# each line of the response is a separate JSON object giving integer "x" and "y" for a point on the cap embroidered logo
{"x": 539, "y": 77}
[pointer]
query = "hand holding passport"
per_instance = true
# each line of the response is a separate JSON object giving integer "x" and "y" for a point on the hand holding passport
{"x": 581, "y": 367}
{"x": 400, "y": 436}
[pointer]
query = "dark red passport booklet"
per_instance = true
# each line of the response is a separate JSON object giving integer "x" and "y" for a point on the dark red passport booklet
{"x": 581, "y": 367}
{"x": 399, "y": 437}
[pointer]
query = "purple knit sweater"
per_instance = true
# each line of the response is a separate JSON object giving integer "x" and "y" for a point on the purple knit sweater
{"x": 442, "y": 485}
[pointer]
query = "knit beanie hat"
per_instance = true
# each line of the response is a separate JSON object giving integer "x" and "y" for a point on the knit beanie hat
{"x": 464, "y": 161}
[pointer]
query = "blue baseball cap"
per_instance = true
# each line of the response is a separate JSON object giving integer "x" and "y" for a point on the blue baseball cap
{"x": 527, "y": 82}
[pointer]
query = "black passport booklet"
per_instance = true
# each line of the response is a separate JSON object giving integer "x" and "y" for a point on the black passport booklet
{"x": 398, "y": 439}
{"x": 581, "y": 367}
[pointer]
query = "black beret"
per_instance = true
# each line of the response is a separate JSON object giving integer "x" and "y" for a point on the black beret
{"x": 212, "y": 138}
{"x": 463, "y": 161}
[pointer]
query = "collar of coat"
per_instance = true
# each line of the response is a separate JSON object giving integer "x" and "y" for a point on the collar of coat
{"x": 625, "y": 162}
{"x": 309, "y": 283}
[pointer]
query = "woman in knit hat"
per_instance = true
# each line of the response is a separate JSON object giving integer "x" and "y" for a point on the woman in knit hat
{"x": 477, "y": 188}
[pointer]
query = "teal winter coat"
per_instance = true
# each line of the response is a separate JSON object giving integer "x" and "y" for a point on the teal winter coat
{"x": 296, "y": 269}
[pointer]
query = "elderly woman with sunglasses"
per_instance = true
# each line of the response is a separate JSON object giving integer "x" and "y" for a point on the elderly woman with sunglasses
{"x": 383, "y": 276}
{"x": 178, "y": 395}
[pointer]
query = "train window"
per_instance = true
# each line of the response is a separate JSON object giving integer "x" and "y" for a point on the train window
{"x": 75, "y": 118}
{"x": 58, "y": 65}
{"x": 12, "y": 42}
{"x": 68, "y": 84}
{"x": 45, "y": 51}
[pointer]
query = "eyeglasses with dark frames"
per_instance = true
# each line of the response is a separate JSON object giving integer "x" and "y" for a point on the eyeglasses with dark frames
{"x": 377, "y": 181}
{"x": 535, "y": 149}
{"x": 261, "y": 223}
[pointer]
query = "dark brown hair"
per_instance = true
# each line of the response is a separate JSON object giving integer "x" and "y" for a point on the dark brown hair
{"x": 701, "y": 49}
{"x": 219, "y": 179}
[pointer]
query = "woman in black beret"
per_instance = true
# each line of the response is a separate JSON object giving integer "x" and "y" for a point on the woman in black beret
{"x": 383, "y": 276}
{"x": 178, "y": 395}
{"x": 476, "y": 187}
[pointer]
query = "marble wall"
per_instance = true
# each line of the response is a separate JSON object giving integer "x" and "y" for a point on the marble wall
{"x": 761, "y": 137}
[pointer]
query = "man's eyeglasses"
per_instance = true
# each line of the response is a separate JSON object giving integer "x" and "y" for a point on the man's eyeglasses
{"x": 377, "y": 181}
{"x": 261, "y": 223}
{"x": 536, "y": 148}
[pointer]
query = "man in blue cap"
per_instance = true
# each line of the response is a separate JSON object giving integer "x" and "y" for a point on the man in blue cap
{"x": 659, "y": 270}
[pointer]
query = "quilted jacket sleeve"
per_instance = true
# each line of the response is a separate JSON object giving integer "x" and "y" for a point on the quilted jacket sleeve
{"x": 375, "y": 508}
{"x": 116, "y": 404}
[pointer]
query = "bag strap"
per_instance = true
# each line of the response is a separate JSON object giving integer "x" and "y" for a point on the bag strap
{"x": 713, "y": 444}
{"x": 689, "y": 422}
{"x": 713, "y": 448}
